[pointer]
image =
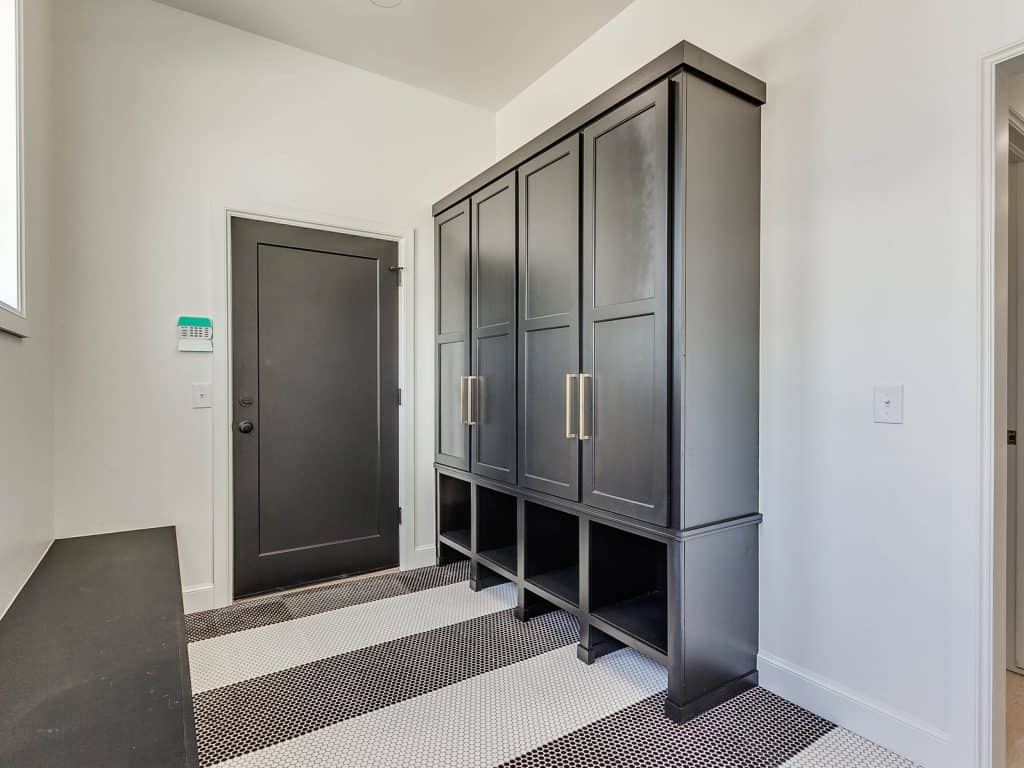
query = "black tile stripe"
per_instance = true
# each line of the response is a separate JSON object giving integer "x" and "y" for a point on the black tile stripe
{"x": 263, "y": 711}
{"x": 754, "y": 730}
{"x": 276, "y": 608}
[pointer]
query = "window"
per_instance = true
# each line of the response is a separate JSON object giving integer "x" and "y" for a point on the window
{"x": 12, "y": 262}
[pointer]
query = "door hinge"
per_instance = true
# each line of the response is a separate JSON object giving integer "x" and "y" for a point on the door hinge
{"x": 399, "y": 515}
{"x": 398, "y": 273}
{"x": 399, "y": 395}
{"x": 1011, "y": 437}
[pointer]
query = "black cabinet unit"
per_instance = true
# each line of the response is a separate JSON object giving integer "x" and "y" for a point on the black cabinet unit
{"x": 597, "y": 372}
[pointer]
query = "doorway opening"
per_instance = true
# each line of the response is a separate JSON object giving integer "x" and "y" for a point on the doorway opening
{"x": 1014, "y": 233}
{"x": 315, "y": 404}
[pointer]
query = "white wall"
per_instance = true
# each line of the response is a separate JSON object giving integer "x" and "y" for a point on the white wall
{"x": 26, "y": 406}
{"x": 164, "y": 120}
{"x": 869, "y": 275}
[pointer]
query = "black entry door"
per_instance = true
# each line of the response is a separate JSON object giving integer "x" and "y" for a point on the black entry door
{"x": 315, "y": 377}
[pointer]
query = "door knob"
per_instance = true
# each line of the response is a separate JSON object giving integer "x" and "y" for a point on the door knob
{"x": 245, "y": 427}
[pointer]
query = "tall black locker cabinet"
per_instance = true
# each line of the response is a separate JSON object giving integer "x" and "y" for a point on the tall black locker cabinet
{"x": 597, "y": 373}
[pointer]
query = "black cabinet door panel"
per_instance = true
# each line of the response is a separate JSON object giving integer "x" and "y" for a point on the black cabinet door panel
{"x": 491, "y": 406}
{"x": 452, "y": 355}
{"x": 549, "y": 337}
{"x": 625, "y": 392}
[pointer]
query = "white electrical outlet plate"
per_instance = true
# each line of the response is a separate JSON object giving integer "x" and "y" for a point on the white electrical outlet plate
{"x": 201, "y": 395}
{"x": 888, "y": 403}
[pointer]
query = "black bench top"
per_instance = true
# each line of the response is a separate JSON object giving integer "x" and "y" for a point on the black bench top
{"x": 93, "y": 658}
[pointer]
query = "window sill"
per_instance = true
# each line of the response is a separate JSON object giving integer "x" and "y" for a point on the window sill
{"x": 13, "y": 324}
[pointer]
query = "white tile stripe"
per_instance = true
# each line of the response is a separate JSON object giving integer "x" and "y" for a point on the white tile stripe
{"x": 238, "y": 656}
{"x": 483, "y": 721}
{"x": 840, "y": 748}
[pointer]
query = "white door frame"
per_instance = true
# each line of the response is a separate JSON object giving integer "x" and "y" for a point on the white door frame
{"x": 223, "y": 504}
{"x": 989, "y": 668}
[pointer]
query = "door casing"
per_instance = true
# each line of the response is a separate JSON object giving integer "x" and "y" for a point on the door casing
{"x": 415, "y": 551}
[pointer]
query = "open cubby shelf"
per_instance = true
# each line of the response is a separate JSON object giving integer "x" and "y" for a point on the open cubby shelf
{"x": 497, "y": 524}
{"x": 459, "y": 538}
{"x": 453, "y": 510}
{"x": 643, "y": 617}
{"x": 552, "y": 551}
{"x": 503, "y": 557}
{"x": 628, "y": 584}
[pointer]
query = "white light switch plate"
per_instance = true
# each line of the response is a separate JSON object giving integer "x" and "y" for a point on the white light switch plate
{"x": 888, "y": 403}
{"x": 201, "y": 395}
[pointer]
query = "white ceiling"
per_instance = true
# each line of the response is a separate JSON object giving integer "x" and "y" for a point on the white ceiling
{"x": 482, "y": 52}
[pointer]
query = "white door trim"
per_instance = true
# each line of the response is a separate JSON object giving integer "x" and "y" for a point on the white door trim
{"x": 223, "y": 508}
{"x": 988, "y": 665}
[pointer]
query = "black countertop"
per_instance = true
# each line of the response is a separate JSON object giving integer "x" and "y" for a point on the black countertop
{"x": 93, "y": 658}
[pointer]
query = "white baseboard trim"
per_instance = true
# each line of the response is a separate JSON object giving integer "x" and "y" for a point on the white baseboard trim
{"x": 27, "y": 577}
{"x": 898, "y": 731}
{"x": 421, "y": 557}
{"x": 198, "y": 597}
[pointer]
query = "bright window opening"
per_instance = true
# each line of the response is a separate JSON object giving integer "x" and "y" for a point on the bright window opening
{"x": 12, "y": 280}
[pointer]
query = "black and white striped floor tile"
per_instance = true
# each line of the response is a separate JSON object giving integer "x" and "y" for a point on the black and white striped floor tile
{"x": 415, "y": 670}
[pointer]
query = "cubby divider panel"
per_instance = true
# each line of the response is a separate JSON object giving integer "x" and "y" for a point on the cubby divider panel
{"x": 496, "y": 519}
{"x": 628, "y": 584}
{"x": 552, "y": 551}
{"x": 453, "y": 505}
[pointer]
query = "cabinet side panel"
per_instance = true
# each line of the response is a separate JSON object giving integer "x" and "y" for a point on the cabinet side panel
{"x": 722, "y": 285}
{"x": 719, "y": 609}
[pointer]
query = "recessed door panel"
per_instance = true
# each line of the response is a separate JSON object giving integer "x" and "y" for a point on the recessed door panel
{"x": 496, "y": 258}
{"x": 549, "y": 339}
{"x": 626, "y": 210}
{"x": 625, "y": 351}
{"x": 550, "y": 461}
{"x": 452, "y": 434}
{"x": 621, "y": 391}
{"x": 453, "y": 274}
{"x": 491, "y": 392}
{"x": 452, "y": 342}
{"x": 316, "y": 427}
{"x": 493, "y": 387}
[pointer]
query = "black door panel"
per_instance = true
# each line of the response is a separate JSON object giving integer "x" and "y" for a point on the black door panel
{"x": 315, "y": 362}
{"x": 625, "y": 435}
{"x": 549, "y": 339}
{"x": 491, "y": 393}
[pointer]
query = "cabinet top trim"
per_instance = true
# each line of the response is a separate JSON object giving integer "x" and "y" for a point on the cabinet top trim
{"x": 683, "y": 56}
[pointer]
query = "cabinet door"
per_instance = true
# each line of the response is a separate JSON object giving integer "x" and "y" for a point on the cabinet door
{"x": 549, "y": 313}
{"x": 491, "y": 397}
{"x": 452, "y": 358}
{"x": 624, "y": 426}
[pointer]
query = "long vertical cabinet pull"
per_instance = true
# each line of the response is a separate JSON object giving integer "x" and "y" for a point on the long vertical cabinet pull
{"x": 583, "y": 405}
{"x": 452, "y": 340}
{"x": 569, "y": 378}
{"x": 549, "y": 312}
{"x": 492, "y": 383}
{"x": 470, "y": 421}
{"x": 626, "y": 201}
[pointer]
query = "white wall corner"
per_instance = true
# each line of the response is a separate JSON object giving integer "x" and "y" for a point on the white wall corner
{"x": 898, "y": 731}
{"x": 198, "y": 597}
{"x": 28, "y": 576}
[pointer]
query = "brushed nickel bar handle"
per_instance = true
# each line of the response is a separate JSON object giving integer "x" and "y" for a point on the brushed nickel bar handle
{"x": 583, "y": 409}
{"x": 569, "y": 434}
{"x": 469, "y": 400}
{"x": 462, "y": 406}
